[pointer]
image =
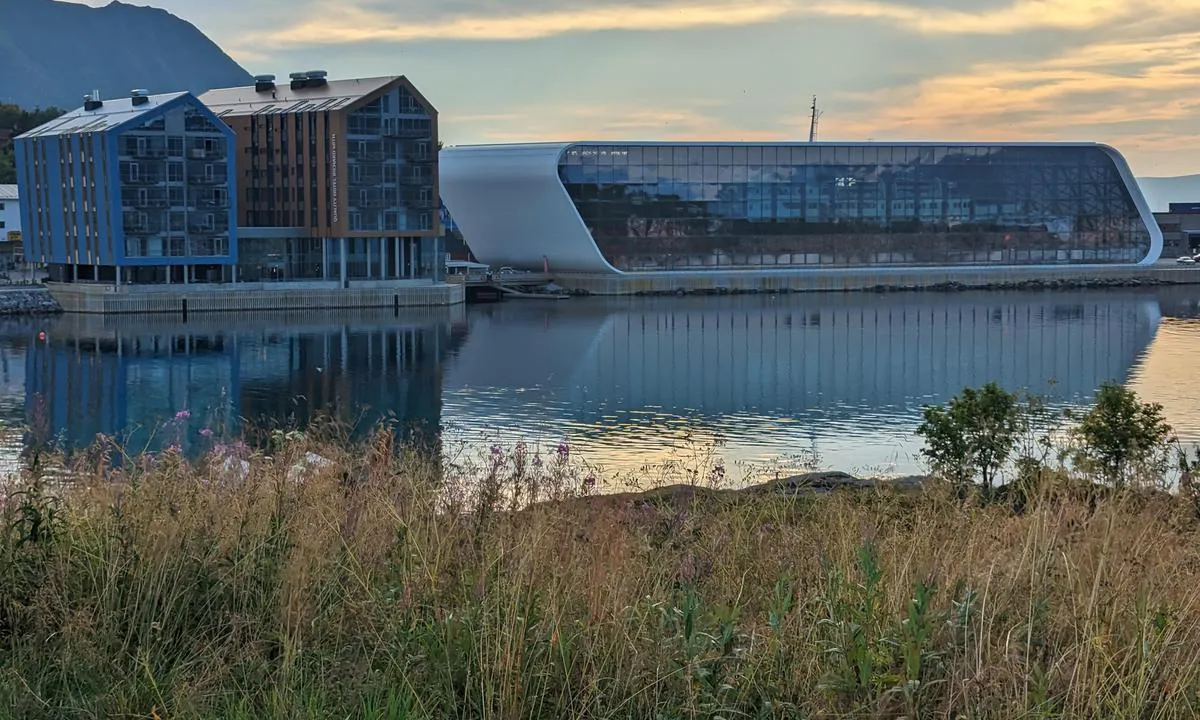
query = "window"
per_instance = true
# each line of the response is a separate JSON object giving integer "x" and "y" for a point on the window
{"x": 1, "y": 224}
{"x": 208, "y": 172}
{"x": 134, "y": 173}
{"x": 174, "y": 172}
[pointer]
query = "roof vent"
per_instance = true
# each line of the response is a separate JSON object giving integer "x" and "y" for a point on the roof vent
{"x": 299, "y": 80}
{"x": 264, "y": 83}
{"x": 316, "y": 78}
{"x": 139, "y": 97}
{"x": 92, "y": 101}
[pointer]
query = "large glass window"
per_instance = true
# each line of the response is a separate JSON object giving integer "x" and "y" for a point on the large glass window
{"x": 174, "y": 186}
{"x": 677, "y": 206}
{"x": 390, "y": 158}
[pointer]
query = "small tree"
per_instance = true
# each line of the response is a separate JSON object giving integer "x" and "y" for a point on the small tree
{"x": 1121, "y": 435}
{"x": 973, "y": 435}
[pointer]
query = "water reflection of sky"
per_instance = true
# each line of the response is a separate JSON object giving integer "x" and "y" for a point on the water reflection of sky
{"x": 629, "y": 382}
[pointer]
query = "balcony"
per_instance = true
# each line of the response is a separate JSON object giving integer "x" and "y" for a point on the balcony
{"x": 203, "y": 154}
{"x": 409, "y": 133}
{"x": 142, "y": 180}
{"x": 148, "y": 153}
{"x": 214, "y": 179}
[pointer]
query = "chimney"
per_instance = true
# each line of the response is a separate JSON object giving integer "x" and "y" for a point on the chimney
{"x": 299, "y": 80}
{"x": 92, "y": 102}
{"x": 316, "y": 78}
{"x": 139, "y": 97}
{"x": 264, "y": 83}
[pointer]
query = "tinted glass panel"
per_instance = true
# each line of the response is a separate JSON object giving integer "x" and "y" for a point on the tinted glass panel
{"x": 688, "y": 207}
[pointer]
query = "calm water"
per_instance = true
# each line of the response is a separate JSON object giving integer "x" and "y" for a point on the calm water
{"x": 767, "y": 381}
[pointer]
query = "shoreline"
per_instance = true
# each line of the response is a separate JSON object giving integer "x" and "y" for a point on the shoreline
{"x": 28, "y": 301}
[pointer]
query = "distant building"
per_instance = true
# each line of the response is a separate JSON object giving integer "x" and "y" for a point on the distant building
{"x": 337, "y": 179}
{"x": 10, "y": 227}
{"x": 626, "y": 208}
{"x": 132, "y": 189}
{"x": 1180, "y": 227}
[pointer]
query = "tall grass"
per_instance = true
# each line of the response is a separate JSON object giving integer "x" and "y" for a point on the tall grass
{"x": 382, "y": 584}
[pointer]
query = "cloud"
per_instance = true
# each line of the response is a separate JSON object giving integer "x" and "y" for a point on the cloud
{"x": 544, "y": 123}
{"x": 1094, "y": 89}
{"x": 355, "y": 24}
{"x": 352, "y": 25}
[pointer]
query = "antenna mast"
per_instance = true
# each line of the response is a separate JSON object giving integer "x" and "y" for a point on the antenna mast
{"x": 816, "y": 116}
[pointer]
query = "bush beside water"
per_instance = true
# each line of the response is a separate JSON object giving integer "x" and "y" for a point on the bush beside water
{"x": 327, "y": 579}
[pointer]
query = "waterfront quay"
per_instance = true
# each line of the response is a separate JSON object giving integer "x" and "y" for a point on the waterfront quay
{"x": 212, "y": 297}
{"x": 876, "y": 279}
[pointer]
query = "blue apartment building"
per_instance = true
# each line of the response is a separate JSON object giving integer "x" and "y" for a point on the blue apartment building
{"x": 131, "y": 190}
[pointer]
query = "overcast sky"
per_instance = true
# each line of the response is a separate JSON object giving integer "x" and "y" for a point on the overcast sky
{"x": 1126, "y": 72}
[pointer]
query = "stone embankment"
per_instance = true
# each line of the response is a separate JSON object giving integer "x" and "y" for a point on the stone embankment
{"x": 1079, "y": 283}
{"x": 32, "y": 300}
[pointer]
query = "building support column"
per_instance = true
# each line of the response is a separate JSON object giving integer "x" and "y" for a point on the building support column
{"x": 396, "y": 256}
{"x": 234, "y": 276}
{"x": 412, "y": 258}
{"x": 343, "y": 262}
{"x": 187, "y": 275}
{"x": 75, "y": 273}
{"x": 118, "y": 269}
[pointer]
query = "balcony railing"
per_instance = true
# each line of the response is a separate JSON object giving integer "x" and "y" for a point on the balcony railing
{"x": 409, "y": 133}
{"x": 144, "y": 153}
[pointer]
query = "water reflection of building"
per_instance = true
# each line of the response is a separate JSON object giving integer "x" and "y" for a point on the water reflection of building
{"x": 816, "y": 359}
{"x": 130, "y": 377}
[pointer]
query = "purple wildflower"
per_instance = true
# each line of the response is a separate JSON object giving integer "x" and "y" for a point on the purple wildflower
{"x": 589, "y": 482}
{"x": 183, "y": 414}
{"x": 174, "y": 447}
{"x": 563, "y": 449}
{"x": 537, "y": 461}
{"x": 496, "y": 451}
{"x": 206, "y": 433}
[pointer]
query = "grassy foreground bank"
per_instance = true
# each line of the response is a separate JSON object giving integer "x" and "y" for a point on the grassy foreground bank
{"x": 366, "y": 586}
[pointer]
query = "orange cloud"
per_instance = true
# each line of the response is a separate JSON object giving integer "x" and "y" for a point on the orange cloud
{"x": 1104, "y": 84}
{"x": 353, "y": 25}
{"x": 544, "y": 124}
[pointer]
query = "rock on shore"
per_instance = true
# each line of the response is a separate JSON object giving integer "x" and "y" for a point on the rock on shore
{"x": 28, "y": 301}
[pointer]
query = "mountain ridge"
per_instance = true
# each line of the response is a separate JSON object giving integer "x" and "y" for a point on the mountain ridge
{"x": 1160, "y": 192}
{"x": 53, "y": 53}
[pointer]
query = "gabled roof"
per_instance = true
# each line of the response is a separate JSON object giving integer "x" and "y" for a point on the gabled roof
{"x": 334, "y": 95}
{"x": 8, "y": 192}
{"x": 112, "y": 114}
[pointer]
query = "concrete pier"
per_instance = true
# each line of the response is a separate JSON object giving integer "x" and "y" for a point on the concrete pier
{"x": 243, "y": 297}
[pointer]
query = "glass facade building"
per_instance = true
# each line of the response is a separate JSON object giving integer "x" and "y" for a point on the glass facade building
{"x": 132, "y": 189}
{"x": 338, "y": 178}
{"x": 653, "y": 207}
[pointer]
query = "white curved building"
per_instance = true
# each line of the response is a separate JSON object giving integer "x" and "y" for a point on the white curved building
{"x": 627, "y": 208}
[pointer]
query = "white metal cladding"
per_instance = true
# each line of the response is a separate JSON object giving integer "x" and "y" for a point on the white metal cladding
{"x": 513, "y": 209}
